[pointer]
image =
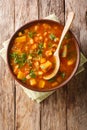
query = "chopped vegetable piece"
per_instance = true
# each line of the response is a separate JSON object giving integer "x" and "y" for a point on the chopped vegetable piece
{"x": 48, "y": 53}
{"x": 63, "y": 74}
{"x": 52, "y": 36}
{"x": 54, "y": 84}
{"x": 46, "y": 66}
{"x": 13, "y": 55}
{"x": 24, "y": 80}
{"x": 45, "y": 44}
{"x": 29, "y": 62}
{"x": 31, "y": 41}
{"x": 45, "y": 33}
{"x": 40, "y": 73}
{"x": 40, "y": 38}
{"x": 20, "y": 75}
{"x": 41, "y": 84}
{"x": 33, "y": 82}
{"x": 39, "y": 52}
{"x": 70, "y": 62}
{"x": 40, "y": 46}
{"x": 31, "y": 34}
{"x": 29, "y": 57}
{"x": 54, "y": 45}
{"x": 32, "y": 74}
{"x": 36, "y": 64}
{"x": 36, "y": 27}
{"x": 64, "y": 53}
{"x": 56, "y": 39}
{"x": 20, "y": 34}
{"x": 50, "y": 44}
{"x": 52, "y": 80}
{"x": 42, "y": 60}
{"x": 16, "y": 69}
{"x": 34, "y": 47}
{"x": 20, "y": 39}
{"x": 28, "y": 76}
{"x": 59, "y": 79}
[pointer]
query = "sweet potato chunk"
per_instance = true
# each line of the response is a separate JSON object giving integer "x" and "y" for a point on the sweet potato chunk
{"x": 41, "y": 84}
{"x": 70, "y": 62}
{"x": 42, "y": 60}
{"x": 20, "y": 75}
{"x": 32, "y": 82}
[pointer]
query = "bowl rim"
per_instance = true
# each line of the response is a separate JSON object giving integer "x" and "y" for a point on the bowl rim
{"x": 27, "y": 86}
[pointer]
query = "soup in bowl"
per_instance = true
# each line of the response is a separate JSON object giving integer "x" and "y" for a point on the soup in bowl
{"x": 30, "y": 55}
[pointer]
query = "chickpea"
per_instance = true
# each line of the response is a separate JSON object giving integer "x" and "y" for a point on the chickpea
{"x": 26, "y": 30}
{"x": 45, "y": 33}
{"x": 36, "y": 39}
{"x": 34, "y": 46}
{"x": 56, "y": 39}
{"x": 36, "y": 28}
{"x": 26, "y": 48}
{"x": 54, "y": 45}
{"x": 38, "y": 34}
{"x": 20, "y": 34}
{"x": 28, "y": 76}
{"x": 46, "y": 39}
{"x": 40, "y": 38}
{"x": 45, "y": 44}
{"x": 40, "y": 73}
{"x": 31, "y": 41}
{"x": 48, "y": 53}
{"x": 16, "y": 69}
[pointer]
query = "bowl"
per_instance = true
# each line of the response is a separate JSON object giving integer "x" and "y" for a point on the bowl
{"x": 11, "y": 44}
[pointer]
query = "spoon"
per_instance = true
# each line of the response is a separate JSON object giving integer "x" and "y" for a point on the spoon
{"x": 56, "y": 54}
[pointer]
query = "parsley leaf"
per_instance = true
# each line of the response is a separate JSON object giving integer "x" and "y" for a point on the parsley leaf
{"x": 31, "y": 34}
{"x": 40, "y": 48}
{"x": 19, "y": 59}
{"x": 32, "y": 74}
{"x": 29, "y": 62}
{"x": 24, "y": 80}
{"x": 52, "y": 36}
{"x": 52, "y": 79}
{"x": 63, "y": 74}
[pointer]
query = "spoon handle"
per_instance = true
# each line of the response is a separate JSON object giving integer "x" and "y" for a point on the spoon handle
{"x": 66, "y": 28}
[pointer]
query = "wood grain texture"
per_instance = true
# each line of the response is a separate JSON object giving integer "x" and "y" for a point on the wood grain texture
{"x": 6, "y": 81}
{"x": 27, "y": 111}
{"x": 53, "y": 109}
{"x": 47, "y": 7}
{"x": 25, "y": 11}
{"x": 77, "y": 88}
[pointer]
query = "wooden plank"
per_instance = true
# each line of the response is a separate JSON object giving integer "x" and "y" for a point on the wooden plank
{"x": 47, "y": 7}
{"x": 25, "y": 11}
{"x": 77, "y": 88}
{"x": 27, "y": 111}
{"x": 53, "y": 109}
{"x": 6, "y": 81}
